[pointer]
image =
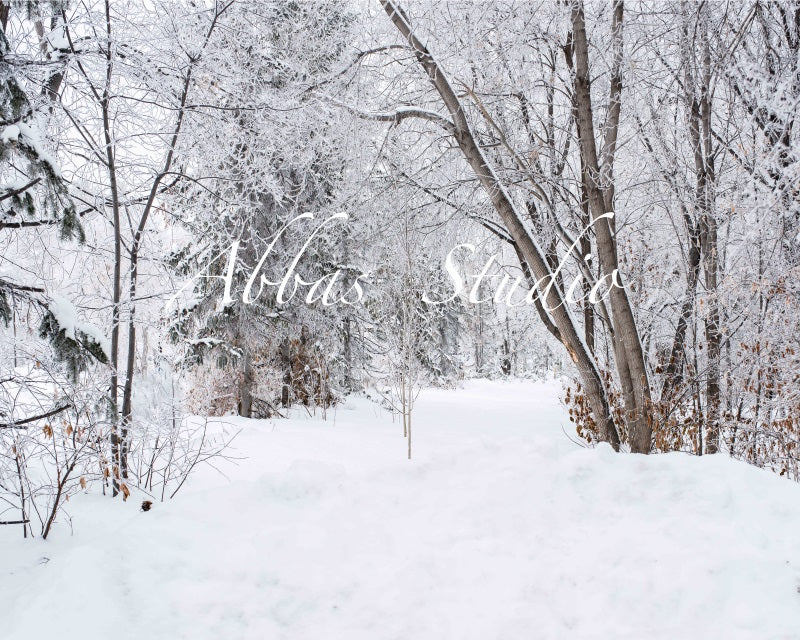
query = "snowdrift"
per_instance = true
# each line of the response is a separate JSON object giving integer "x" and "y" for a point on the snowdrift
{"x": 500, "y": 527}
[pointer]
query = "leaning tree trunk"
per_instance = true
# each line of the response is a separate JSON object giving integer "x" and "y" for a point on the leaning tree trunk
{"x": 512, "y": 220}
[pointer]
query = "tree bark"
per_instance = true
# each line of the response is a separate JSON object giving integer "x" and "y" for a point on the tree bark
{"x": 246, "y": 387}
{"x": 117, "y": 278}
{"x": 628, "y": 350}
{"x": 673, "y": 374}
{"x": 697, "y": 87}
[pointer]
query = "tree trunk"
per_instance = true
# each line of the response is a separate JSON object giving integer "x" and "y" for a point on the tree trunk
{"x": 117, "y": 281}
{"x": 127, "y": 391}
{"x": 348, "y": 354}
{"x": 712, "y": 334}
{"x": 697, "y": 87}
{"x": 586, "y": 250}
{"x": 136, "y": 245}
{"x": 246, "y": 387}
{"x": 673, "y": 374}
{"x": 629, "y": 355}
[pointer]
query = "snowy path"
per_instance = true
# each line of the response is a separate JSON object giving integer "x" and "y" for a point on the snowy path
{"x": 500, "y": 528}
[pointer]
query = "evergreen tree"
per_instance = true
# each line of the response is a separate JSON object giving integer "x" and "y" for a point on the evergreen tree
{"x": 34, "y": 194}
{"x": 267, "y": 158}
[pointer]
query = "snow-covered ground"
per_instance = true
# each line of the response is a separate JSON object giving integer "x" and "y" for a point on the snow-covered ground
{"x": 499, "y": 528}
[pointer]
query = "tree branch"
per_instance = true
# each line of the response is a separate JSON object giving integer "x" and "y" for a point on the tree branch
{"x": 16, "y": 424}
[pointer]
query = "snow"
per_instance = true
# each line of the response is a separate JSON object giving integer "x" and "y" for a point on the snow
{"x": 67, "y": 317}
{"x": 58, "y": 39}
{"x": 32, "y": 137}
{"x": 500, "y": 527}
{"x": 10, "y": 134}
